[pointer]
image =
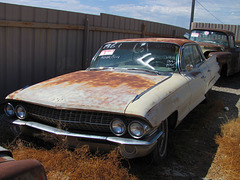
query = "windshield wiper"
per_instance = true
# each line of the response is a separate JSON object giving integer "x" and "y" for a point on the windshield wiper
{"x": 145, "y": 70}
{"x": 100, "y": 68}
{"x": 125, "y": 69}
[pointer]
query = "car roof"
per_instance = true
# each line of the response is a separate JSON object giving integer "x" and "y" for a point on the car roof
{"x": 229, "y": 33}
{"x": 179, "y": 41}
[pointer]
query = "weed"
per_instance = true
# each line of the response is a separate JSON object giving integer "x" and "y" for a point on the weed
{"x": 226, "y": 164}
{"x": 61, "y": 163}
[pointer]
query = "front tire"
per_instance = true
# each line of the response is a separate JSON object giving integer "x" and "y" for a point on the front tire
{"x": 160, "y": 151}
{"x": 208, "y": 96}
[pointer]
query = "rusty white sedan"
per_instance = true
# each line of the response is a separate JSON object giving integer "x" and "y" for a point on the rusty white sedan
{"x": 134, "y": 91}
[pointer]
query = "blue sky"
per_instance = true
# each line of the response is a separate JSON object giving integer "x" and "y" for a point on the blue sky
{"x": 163, "y": 11}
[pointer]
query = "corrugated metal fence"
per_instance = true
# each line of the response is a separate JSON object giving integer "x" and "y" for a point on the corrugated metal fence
{"x": 234, "y": 28}
{"x": 37, "y": 44}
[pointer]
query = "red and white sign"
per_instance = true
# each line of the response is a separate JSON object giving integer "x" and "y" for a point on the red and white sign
{"x": 107, "y": 52}
{"x": 195, "y": 34}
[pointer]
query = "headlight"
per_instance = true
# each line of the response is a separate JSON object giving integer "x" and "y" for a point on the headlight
{"x": 21, "y": 112}
{"x": 9, "y": 109}
{"x": 137, "y": 129}
{"x": 118, "y": 127}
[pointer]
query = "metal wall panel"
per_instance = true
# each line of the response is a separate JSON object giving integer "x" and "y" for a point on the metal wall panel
{"x": 37, "y": 44}
{"x": 234, "y": 28}
{"x": 2, "y": 53}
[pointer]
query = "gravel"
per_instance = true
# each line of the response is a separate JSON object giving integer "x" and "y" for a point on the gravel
{"x": 228, "y": 90}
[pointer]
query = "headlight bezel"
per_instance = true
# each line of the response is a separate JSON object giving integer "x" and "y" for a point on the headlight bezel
{"x": 6, "y": 111}
{"x": 144, "y": 129}
{"x": 23, "y": 110}
{"x": 123, "y": 127}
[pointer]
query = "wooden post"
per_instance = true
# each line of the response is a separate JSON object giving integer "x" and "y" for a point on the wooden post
{"x": 85, "y": 44}
{"x": 192, "y": 14}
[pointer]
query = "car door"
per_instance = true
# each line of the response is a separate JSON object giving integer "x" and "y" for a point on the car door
{"x": 196, "y": 71}
{"x": 204, "y": 66}
{"x": 235, "y": 63}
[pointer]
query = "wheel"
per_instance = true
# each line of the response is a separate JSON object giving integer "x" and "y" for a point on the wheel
{"x": 223, "y": 71}
{"x": 160, "y": 150}
{"x": 207, "y": 96}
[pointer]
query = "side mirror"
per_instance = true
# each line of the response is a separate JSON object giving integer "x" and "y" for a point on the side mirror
{"x": 186, "y": 35}
{"x": 189, "y": 67}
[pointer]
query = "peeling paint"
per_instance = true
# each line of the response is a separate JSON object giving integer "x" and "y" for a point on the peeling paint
{"x": 95, "y": 90}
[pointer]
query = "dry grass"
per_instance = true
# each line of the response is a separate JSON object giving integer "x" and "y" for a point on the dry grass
{"x": 226, "y": 164}
{"x": 60, "y": 163}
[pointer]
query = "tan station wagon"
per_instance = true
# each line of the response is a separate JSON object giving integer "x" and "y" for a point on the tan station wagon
{"x": 132, "y": 93}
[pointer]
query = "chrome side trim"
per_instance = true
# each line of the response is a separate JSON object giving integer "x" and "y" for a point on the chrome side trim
{"x": 113, "y": 139}
{"x": 144, "y": 92}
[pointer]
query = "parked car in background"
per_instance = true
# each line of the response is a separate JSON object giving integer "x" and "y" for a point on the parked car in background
{"x": 133, "y": 92}
{"x": 221, "y": 41}
{"x": 237, "y": 44}
{"x": 22, "y": 169}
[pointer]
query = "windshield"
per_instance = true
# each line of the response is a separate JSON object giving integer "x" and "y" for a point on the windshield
{"x": 138, "y": 55}
{"x": 215, "y": 37}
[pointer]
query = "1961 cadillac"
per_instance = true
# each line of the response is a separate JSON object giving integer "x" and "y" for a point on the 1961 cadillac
{"x": 132, "y": 93}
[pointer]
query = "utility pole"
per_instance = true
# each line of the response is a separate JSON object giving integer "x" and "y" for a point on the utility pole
{"x": 192, "y": 14}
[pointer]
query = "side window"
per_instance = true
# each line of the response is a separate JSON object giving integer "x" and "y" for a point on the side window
{"x": 191, "y": 56}
{"x": 197, "y": 58}
{"x": 231, "y": 41}
{"x": 187, "y": 57}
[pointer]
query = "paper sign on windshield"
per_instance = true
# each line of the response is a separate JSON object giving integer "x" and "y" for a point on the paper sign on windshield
{"x": 107, "y": 52}
{"x": 195, "y": 34}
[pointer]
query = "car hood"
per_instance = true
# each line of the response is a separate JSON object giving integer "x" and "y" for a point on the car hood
{"x": 210, "y": 45}
{"x": 89, "y": 90}
{"x": 207, "y": 44}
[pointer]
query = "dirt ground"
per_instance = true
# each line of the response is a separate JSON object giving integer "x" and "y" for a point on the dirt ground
{"x": 193, "y": 146}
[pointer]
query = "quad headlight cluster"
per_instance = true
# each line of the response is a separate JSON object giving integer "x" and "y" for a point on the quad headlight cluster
{"x": 136, "y": 129}
{"x": 18, "y": 110}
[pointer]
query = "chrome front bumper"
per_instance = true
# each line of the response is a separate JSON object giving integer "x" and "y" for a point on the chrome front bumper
{"x": 129, "y": 148}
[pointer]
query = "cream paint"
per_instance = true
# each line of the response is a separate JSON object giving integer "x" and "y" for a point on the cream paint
{"x": 180, "y": 93}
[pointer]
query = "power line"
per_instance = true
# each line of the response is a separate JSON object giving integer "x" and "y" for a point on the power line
{"x": 209, "y": 12}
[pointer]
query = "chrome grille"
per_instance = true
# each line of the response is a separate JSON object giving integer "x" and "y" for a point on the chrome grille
{"x": 66, "y": 119}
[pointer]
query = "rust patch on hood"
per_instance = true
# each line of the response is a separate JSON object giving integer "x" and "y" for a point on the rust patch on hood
{"x": 12, "y": 95}
{"x": 89, "y": 90}
{"x": 99, "y": 78}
